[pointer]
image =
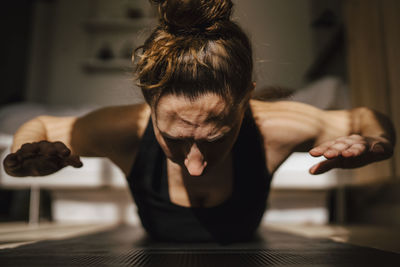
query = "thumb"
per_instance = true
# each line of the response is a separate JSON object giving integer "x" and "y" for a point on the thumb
{"x": 324, "y": 166}
{"x": 74, "y": 161}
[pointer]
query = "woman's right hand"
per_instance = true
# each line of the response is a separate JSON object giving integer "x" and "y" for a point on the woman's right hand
{"x": 39, "y": 159}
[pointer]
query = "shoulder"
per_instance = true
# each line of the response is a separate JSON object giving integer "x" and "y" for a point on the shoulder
{"x": 294, "y": 122}
{"x": 276, "y": 109}
{"x": 129, "y": 120}
{"x": 280, "y": 119}
{"x": 113, "y": 132}
{"x": 125, "y": 124}
{"x": 288, "y": 126}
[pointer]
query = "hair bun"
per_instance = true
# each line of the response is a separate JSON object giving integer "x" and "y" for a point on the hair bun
{"x": 193, "y": 15}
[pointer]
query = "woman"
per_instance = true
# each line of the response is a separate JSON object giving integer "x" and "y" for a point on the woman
{"x": 199, "y": 155}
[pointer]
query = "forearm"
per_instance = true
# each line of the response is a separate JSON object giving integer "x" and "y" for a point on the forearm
{"x": 372, "y": 124}
{"x": 31, "y": 131}
{"x": 44, "y": 128}
{"x": 41, "y": 147}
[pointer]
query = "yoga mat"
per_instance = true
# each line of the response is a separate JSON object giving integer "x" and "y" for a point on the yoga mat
{"x": 129, "y": 246}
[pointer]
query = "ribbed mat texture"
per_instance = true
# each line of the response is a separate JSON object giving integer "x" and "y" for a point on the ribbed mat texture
{"x": 129, "y": 246}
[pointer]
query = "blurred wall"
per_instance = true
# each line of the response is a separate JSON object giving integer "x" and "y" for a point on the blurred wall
{"x": 279, "y": 29}
{"x": 16, "y": 32}
{"x": 64, "y": 41}
{"x": 282, "y": 39}
{"x": 373, "y": 41}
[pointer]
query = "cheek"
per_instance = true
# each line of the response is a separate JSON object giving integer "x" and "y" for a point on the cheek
{"x": 173, "y": 151}
{"x": 170, "y": 150}
{"x": 215, "y": 151}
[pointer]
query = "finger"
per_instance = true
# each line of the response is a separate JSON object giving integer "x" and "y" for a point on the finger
{"x": 12, "y": 166}
{"x": 24, "y": 152}
{"x": 340, "y": 145}
{"x": 41, "y": 167}
{"x": 348, "y": 153}
{"x": 377, "y": 147}
{"x": 351, "y": 152}
{"x": 46, "y": 148}
{"x": 356, "y": 137}
{"x": 62, "y": 149}
{"x": 324, "y": 166}
{"x": 11, "y": 160}
{"x": 29, "y": 168}
{"x": 355, "y": 150}
{"x": 19, "y": 155}
{"x": 331, "y": 153}
{"x": 29, "y": 149}
{"x": 74, "y": 161}
{"x": 337, "y": 149}
{"x": 320, "y": 149}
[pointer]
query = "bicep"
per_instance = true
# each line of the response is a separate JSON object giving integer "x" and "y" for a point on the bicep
{"x": 293, "y": 126}
{"x": 77, "y": 133}
{"x": 109, "y": 132}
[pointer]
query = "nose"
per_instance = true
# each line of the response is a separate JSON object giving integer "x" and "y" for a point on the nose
{"x": 194, "y": 162}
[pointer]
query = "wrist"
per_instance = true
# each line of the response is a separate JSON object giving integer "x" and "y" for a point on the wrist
{"x": 381, "y": 145}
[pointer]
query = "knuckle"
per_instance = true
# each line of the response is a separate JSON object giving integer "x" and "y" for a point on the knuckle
{"x": 356, "y": 136}
{"x": 26, "y": 146}
{"x": 19, "y": 156}
{"x": 359, "y": 146}
{"x": 43, "y": 143}
{"x": 340, "y": 146}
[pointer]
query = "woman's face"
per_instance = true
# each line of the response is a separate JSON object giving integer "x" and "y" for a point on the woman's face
{"x": 196, "y": 134}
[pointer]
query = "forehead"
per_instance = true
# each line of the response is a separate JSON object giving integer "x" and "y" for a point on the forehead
{"x": 178, "y": 113}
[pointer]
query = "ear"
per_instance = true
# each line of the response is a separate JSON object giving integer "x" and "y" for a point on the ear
{"x": 253, "y": 86}
{"x": 251, "y": 89}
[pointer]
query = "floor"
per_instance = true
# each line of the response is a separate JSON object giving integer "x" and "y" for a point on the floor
{"x": 379, "y": 237}
{"x": 19, "y": 233}
{"x": 384, "y": 238}
{"x": 123, "y": 245}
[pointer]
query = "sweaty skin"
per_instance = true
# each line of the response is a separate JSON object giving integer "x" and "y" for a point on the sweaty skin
{"x": 196, "y": 135}
{"x": 195, "y": 162}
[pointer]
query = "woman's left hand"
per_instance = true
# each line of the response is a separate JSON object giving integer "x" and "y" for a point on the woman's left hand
{"x": 350, "y": 152}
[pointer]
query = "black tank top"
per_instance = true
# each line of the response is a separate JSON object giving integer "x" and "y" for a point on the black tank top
{"x": 236, "y": 219}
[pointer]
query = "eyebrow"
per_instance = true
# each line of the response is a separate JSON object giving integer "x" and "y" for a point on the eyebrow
{"x": 217, "y": 137}
{"x": 170, "y": 136}
{"x": 209, "y": 139}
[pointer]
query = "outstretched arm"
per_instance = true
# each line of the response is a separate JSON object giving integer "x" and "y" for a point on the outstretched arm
{"x": 346, "y": 138}
{"x": 46, "y": 144}
{"x": 371, "y": 138}
{"x": 41, "y": 146}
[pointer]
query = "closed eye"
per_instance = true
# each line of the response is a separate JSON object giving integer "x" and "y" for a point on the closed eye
{"x": 216, "y": 139}
{"x": 172, "y": 140}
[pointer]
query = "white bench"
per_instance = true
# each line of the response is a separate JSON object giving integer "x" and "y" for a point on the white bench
{"x": 99, "y": 183}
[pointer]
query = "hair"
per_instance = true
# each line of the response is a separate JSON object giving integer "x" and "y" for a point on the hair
{"x": 195, "y": 49}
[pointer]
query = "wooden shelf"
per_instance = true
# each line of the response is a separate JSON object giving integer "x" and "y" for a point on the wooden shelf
{"x": 101, "y": 25}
